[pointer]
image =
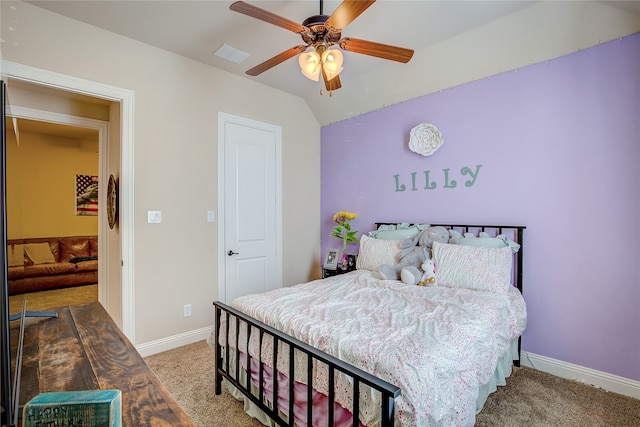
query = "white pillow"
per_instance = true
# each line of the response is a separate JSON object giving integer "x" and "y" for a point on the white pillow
{"x": 375, "y": 252}
{"x": 40, "y": 253}
{"x": 470, "y": 267}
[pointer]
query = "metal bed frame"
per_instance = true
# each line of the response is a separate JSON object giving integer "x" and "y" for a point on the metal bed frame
{"x": 231, "y": 371}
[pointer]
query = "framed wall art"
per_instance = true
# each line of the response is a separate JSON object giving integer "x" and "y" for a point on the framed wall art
{"x": 86, "y": 195}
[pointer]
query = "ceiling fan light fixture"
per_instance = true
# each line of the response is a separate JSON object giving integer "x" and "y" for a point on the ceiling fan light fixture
{"x": 332, "y": 62}
{"x": 310, "y": 65}
{"x": 321, "y": 32}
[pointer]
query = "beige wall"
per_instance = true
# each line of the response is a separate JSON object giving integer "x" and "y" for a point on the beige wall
{"x": 175, "y": 156}
{"x": 40, "y": 183}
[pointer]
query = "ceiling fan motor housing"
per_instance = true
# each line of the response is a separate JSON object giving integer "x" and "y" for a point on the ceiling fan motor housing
{"x": 319, "y": 32}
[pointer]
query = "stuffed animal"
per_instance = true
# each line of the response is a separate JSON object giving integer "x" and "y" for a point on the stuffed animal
{"x": 410, "y": 256}
{"x": 414, "y": 251}
{"x": 430, "y": 235}
{"x": 413, "y": 276}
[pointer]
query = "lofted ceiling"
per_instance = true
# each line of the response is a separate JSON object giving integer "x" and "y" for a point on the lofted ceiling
{"x": 454, "y": 41}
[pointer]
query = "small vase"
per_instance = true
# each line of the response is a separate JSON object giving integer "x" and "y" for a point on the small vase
{"x": 344, "y": 262}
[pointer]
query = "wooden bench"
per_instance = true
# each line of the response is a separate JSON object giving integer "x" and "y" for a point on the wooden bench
{"x": 83, "y": 349}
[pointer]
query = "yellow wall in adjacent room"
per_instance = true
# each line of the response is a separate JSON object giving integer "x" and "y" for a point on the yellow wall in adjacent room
{"x": 41, "y": 172}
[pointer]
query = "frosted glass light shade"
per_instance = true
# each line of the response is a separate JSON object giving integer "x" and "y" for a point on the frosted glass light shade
{"x": 332, "y": 62}
{"x": 310, "y": 65}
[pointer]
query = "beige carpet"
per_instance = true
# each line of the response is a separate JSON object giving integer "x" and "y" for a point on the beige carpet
{"x": 54, "y": 298}
{"x": 531, "y": 398}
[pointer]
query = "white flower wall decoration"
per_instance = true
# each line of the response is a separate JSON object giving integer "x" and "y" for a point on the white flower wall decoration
{"x": 425, "y": 139}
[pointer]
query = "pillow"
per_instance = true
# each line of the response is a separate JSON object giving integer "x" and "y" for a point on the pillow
{"x": 483, "y": 269}
{"x": 408, "y": 233}
{"x": 16, "y": 255}
{"x": 397, "y": 232}
{"x": 375, "y": 252}
{"x": 39, "y": 253}
{"x": 483, "y": 240}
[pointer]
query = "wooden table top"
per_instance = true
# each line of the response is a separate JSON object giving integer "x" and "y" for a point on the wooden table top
{"x": 83, "y": 349}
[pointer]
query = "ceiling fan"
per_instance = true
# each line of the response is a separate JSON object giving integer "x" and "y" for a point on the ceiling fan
{"x": 321, "y": 32}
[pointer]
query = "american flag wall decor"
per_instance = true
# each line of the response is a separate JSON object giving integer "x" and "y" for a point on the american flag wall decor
{"x": 86, "y": 195}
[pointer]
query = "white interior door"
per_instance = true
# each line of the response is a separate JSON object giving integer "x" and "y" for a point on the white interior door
{"x": 250, "y": 214}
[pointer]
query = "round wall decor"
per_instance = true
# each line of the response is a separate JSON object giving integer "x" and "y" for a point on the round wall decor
{"x": 112, "y": 201}
{"x": 425, "y": 139}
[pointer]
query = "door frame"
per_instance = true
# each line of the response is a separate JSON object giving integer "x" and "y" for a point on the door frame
{"x": 125, "y": 98}
{"x": 102, "y": 127}
{"x": 224, "y": 118}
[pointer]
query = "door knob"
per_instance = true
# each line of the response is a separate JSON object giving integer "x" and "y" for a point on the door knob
{"x": 232, "y": 253}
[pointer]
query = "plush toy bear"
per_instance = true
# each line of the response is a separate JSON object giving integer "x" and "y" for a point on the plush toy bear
{"x": 410, "y": 256}
{"x": 414, "y": 251}
{"x": 413, "y": 276}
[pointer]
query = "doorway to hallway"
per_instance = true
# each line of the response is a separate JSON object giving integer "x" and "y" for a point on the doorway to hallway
{"x": 117, "y": 245}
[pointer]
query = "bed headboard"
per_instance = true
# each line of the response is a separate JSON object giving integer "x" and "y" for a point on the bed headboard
{"x": 513, "y": 232}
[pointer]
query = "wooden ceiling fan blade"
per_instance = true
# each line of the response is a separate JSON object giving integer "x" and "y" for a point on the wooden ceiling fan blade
{"x": 266, "y": 16}
{"x": 272, "y": 62}
{"x": 332, "y": 84}
{"x": 347, "y": 12}
{"x": 380, "y": 50}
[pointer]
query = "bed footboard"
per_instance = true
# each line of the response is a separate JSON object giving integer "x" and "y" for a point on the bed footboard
{"x": 228, "y": 366}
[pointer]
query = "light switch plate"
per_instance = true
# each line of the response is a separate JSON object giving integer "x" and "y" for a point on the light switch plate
{"x": 154, "y": 217}
{"x": 211, "y": 216}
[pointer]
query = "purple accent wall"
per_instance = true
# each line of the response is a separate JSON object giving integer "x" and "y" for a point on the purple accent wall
{"x": 559, "y": 145}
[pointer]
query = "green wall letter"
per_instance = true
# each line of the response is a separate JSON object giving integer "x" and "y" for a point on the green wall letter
{"x": 399, "y": 187}
{"x": 466, "y": 170}
{"x": 446, "y": 180}
{"x": 427, "y": 185}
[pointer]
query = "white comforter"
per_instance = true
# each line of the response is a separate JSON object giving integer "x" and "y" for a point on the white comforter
{"x": 439, "y": 345}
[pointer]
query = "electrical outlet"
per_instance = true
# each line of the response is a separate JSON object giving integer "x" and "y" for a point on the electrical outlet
{"x": 187, "y": 310}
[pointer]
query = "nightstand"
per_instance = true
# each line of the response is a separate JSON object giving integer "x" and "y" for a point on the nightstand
{"x": 327, "y": 272}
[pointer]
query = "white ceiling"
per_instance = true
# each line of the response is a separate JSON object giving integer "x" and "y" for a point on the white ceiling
{"x": 196, "y": 29}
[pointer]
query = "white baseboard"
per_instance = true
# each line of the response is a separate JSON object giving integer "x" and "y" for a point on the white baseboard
{"x": 175, "y": 341}
{"x": 581, "y": 374}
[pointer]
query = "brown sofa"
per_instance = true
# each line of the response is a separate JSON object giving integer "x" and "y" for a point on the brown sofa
{"x": 72, "y": 261}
